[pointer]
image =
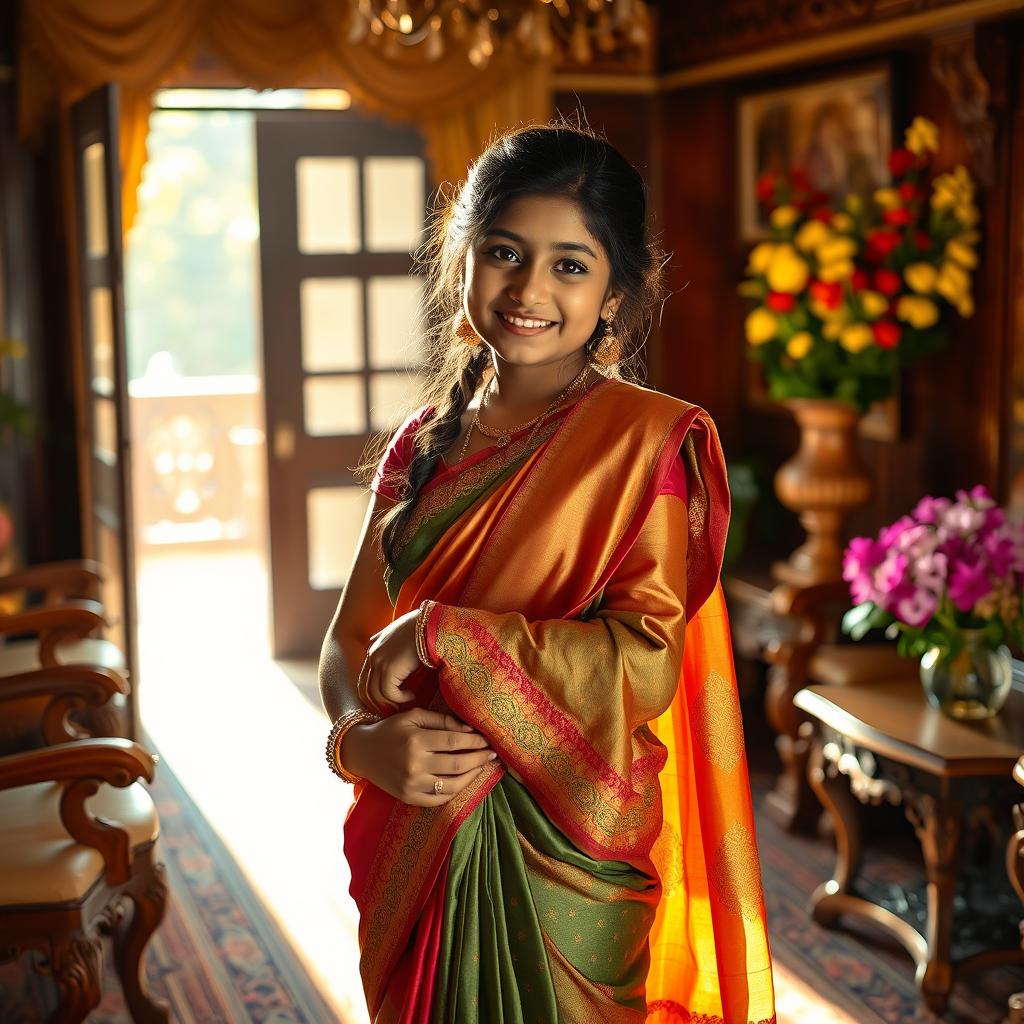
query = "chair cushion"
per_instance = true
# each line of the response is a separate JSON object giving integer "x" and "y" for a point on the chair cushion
{"x": 23, "y": 655}
{"x": 40, "y": 862}
{"x": 850, "y": 664}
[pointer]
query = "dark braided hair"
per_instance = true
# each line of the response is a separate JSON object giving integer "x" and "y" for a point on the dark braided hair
{"x": 554, "y": 159}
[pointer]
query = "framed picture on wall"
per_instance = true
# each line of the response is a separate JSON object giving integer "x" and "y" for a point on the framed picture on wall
{"x": 838, "y": 130}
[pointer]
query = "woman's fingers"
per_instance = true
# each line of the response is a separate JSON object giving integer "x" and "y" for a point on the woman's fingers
{"x": 452, "y": 786}
{"x": 458, "y": 764}
{"x": 436, "y": 740}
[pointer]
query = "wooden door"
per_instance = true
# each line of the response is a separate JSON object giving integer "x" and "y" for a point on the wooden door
{"x": 103, "y": 391}
{"x": 342, "y": 204}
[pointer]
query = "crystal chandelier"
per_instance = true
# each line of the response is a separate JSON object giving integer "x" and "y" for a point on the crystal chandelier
{"x": 538, "y": 27}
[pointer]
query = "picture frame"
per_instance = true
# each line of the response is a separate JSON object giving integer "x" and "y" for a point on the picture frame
{"x": 839, "y": 129}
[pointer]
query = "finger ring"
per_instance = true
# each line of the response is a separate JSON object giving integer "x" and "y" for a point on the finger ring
{"x": 438, "y": 785}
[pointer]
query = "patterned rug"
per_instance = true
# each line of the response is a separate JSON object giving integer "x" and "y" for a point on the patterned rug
{"x": 217, "y": 957}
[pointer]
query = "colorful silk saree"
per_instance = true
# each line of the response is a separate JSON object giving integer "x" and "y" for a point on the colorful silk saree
{"x": 604, "y": 868}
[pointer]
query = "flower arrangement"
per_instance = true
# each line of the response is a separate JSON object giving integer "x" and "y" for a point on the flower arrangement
{"x": 847, "y": 296}
{"x": 948, "y": 566}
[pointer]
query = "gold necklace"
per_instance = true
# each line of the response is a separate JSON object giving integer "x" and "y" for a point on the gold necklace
{"x": 505, "y": 436}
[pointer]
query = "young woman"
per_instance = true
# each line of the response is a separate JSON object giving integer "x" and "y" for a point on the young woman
{"x": 552, "y": 817}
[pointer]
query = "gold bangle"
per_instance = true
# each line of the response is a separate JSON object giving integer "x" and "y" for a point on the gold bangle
{"x": 340, "y": 726}
{"x": 421, "y": 634}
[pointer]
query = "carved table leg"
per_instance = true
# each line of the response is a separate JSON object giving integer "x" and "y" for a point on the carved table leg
{"x": 148, "y": 892}
{"x": 1015, "y": 870}
{"x": 938, "y": 826}
{"x": 833, "y": 790}
{"x": 76, "y": 965}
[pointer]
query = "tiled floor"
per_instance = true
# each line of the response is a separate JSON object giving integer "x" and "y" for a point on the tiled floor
{"x": 245, "y": 735}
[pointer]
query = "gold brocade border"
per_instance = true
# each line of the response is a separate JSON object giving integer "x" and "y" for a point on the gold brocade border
{"x": 409, "y": 847}
{"x": 608, "y": 824}
{"x": 668, "y": 1011}
{"x": 431, "y": 501}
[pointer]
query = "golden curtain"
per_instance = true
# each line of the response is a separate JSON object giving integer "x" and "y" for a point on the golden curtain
{"x": 69, "y": 47}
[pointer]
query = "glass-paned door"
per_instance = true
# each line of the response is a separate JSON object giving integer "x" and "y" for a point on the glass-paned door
{"x": 342, "y": 202}
{"x": 106, "y": 484}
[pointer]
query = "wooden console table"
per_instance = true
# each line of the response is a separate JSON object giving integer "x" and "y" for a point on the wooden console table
{"x": 883, "y": 742}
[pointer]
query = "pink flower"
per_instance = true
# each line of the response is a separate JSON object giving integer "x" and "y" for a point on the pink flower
{"x": 929, "y": 510}
{"x": 930, "y": 571}
{"x": 916, "y": 609}
{"x": 968, "y": 583}
{"x": 861, "y": 557}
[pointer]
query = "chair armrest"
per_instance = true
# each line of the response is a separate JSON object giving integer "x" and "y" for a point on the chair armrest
{"x": 70, "y": 687}
{"x": 74, "y": 619}
{"x": 71, "y": 578}
{"x": 82, "y": 766}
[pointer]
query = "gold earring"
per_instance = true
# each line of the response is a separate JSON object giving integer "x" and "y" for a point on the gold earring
{"x": 464, "y": 330}
{"x": 606, "y": 351}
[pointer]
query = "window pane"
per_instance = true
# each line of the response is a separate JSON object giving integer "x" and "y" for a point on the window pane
{"x": 95, "y": 188}
{"x": 390, "y": 394}
{"x": 101, "y": 330}
{"x": 333, "y": 405}
{"x": 104, "y": 441}
{"x": 332, "y": 323}
{"x": 327, "y": 190}
{"x": 394, "y": 203}
{"x": 334, "y": 517}
{"x": 395, "y": 338}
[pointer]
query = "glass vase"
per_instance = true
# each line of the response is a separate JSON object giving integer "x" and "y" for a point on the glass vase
{"x": 974, "y": 684}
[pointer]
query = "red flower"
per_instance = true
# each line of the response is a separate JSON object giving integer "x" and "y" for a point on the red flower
{"x": 766, "y": 187}
{"x": 922, "y": 240}
{"x": 798, "y": 179}
{"x": 859, "y": 280}
{"x": 884, "y": 241}
{"x": 887, "y": 333}
{"x": 780, "y": 302}
{"x": 823, "y": 213}
{"x": 908, "y": 191}
{"x": 901, "y": 161}
{"x": 888, "y": 282}
{"x": 829, "y": 294}
{"x": 900, "y": 216}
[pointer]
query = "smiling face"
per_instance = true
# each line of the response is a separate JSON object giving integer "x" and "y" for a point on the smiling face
{"x": 537, "y": 262}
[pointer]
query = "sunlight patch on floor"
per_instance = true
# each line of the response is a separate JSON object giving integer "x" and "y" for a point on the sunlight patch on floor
{"x": 250, "y": 751}
{"x": 249, "y": 748}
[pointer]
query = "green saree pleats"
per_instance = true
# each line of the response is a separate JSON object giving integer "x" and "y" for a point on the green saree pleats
{"x": 533, "y": 928}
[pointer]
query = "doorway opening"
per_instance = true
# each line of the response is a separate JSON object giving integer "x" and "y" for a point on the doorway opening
{"x": 267, "y": 296}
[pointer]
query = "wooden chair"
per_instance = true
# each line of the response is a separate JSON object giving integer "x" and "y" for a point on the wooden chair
{"x": 61, "y": 629}
{"x": 77, "y": 848}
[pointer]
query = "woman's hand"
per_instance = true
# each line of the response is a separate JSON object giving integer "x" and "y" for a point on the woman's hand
{"x": 407, "y": 752}
{"x": 390, "y": 660}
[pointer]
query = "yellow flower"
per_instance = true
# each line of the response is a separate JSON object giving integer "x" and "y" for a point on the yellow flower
{"x": 837, "y": 249}
{"x": 835, "y": 325}
{"x": 963, "y": 178}
{"x": 922, "y": 135}
{"x": 784, "y": 216}
{"x": 888, "y": 198}
{"x": 960, "y": 252}
{"x": 967, "y": 214}
{"x": 917, "y": 311}
{"x": 965, "y": 305}
{"x": 799, "y": 345}
{"x": 811, "y": 235}
{"x": 953, "y": 282}
{"x": 841, "y": 270}
{"x": 856, "y": 337}
{"x": 760, "y": 256}
{"x": 842, "y": 221}
{"x": 761, "y": 326}
{"x": 873, "y": 303}
{"x": 787, "y": 272}
{"x": 854, "y": 203}
{"x": 942, "y": 197}
{"x": 921, "y": 277}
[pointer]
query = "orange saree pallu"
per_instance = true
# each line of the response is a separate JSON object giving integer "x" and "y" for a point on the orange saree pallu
{"x": 605, "y": 867}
